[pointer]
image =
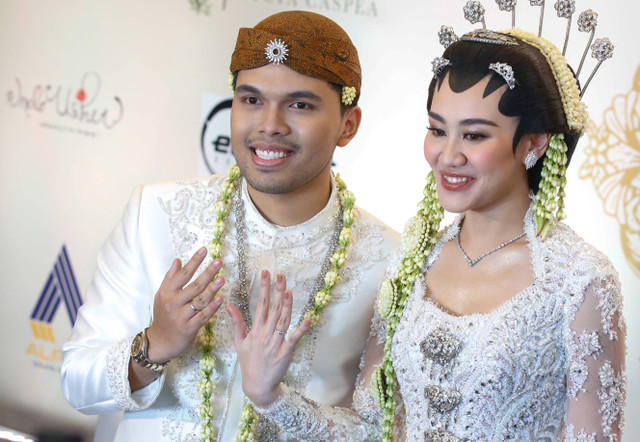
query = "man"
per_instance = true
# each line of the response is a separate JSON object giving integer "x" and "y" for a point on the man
{"x": 296, "y": 80}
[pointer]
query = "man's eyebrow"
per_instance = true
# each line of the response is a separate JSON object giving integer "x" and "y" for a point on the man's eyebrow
{"x": 308, "y": 95}
{"x": 247, "y": 89}
{"x": 466, "y": 122}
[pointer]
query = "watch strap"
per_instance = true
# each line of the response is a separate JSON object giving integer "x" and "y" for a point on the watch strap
{"x": 141, "y": 358}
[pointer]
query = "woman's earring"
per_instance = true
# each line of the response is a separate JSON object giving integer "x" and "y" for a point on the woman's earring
{"x": 530, "y": 160}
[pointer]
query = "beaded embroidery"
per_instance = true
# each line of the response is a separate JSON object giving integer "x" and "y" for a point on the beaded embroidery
{"x": 519, "y": 347}
{"x": 507, "y": 371}
{"x": 191, "y": 218}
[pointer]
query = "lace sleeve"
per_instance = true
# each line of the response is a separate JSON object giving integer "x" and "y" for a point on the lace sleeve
{"x": 307, "y": 420}
{"x": 596, "y": 382}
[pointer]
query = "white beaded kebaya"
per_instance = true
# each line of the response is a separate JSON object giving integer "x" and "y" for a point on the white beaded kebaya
{"x": 421, "y": 232}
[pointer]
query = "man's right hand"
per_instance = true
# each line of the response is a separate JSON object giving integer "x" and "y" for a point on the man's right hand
{"x": 179, "y": 311}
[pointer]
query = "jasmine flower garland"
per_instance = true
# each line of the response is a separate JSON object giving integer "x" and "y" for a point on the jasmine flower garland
{"x": 246, "y": 432}
{"x": 417, "y": 242}
{"x": 549, "y": 205}
{"x": 550, "y": 197}
{"x": 207, "y": 339}
{"x": 249, "y": 418}
{"x": 575, "y": 111}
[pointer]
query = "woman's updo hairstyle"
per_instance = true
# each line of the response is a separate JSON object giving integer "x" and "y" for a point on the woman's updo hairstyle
{"x": 535, "y": 97}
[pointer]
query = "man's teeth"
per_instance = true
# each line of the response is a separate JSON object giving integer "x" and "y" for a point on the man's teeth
{"x": 456, "y": 179}
{"x": 271, "y": 154}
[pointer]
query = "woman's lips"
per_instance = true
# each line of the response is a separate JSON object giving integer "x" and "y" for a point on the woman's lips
{"x": 455, "y": 182}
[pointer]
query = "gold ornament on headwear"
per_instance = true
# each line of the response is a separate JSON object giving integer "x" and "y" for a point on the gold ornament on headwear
{"x": 306, "y": 42}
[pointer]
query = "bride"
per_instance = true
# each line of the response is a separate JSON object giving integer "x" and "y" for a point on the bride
{"x": 504, "y": 325}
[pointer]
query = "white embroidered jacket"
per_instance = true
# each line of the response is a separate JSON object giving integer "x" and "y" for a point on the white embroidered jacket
{"x": 167, "y": 220}
{"x": 546, "y": 365}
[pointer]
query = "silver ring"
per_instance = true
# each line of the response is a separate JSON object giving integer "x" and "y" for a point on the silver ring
{"x": 193, "y": 307}
{"x": 280, "y": 332}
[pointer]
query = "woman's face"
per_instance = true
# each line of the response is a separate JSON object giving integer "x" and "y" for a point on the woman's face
{"x": 469, "y": 148}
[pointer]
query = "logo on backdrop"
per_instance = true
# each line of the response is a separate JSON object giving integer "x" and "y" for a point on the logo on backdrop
{"x": 61, "y": 287}
{"x": 77, "y": 109}
{"x": 215, "y": 138}
{"x": 356, "y": 7}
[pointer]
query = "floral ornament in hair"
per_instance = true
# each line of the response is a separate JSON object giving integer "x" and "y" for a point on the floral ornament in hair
{"x": 565, "y": 9}
{"x": 447, "y": 36}
{"x": 506, "y": 5}
{"x": 348, "y": 95}
{"x": 601, "y": 50}
{"x": 474, "y": 12}
{"x": 230, "y": 80}
{"x": 587, "y": 22}
{"x": 574, "y": 109}
{"x": 276, "y": 51}
{"x": 438, "y": 64}
{"x": 505, "y": 71}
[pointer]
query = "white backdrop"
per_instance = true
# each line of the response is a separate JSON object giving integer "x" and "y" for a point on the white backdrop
{"x": 97, "y": 97}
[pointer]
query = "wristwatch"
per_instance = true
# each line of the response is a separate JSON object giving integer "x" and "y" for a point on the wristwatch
{"x": 139, "y": 353}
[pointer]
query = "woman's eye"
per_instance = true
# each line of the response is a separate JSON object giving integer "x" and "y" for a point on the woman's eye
{"x": 474, "y": 136}
{"x": 436, "y": 132}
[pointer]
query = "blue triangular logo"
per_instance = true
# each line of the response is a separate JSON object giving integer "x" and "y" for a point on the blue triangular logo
{"x": 61, "y": 286}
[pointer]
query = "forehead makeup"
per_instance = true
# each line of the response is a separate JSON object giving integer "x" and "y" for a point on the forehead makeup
{"x": 461, "y": 81}
{"x": 471, "y": 120}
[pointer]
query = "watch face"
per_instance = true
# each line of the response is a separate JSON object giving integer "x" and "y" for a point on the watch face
{"x": 136, "y": 345}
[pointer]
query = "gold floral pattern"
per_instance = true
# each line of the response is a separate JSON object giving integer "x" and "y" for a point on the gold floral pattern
{"x": 613, "y": 165}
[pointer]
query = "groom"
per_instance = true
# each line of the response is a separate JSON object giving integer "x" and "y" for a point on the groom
{"x": 140, "y": 343}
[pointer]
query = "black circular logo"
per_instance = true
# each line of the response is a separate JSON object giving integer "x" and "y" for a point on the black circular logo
{"x": 215, "y": 140}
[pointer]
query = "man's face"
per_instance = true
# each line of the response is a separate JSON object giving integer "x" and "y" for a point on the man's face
{"x": 284, "y": 129}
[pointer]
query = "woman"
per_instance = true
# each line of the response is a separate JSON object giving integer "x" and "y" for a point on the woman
{"x": 506, "y": 324}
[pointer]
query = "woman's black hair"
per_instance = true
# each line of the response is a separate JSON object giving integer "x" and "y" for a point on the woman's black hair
{"x": 535, "y": 98}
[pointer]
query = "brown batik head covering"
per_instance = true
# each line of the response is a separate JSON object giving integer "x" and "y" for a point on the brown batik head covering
{"x": 308, "y": 43}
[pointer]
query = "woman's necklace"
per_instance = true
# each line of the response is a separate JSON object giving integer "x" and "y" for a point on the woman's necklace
{"x": 473, "y": 262}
